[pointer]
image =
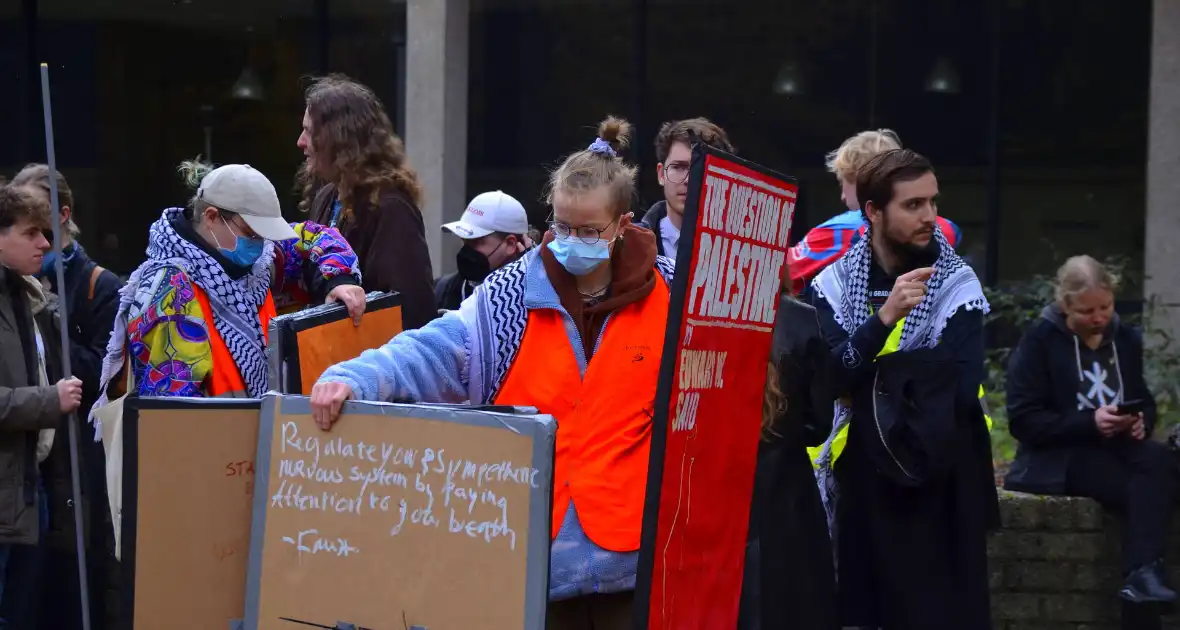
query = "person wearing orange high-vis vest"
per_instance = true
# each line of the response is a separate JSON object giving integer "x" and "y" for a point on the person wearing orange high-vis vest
{"x": 574, "y": 328}
{"x": 193, "y": 321}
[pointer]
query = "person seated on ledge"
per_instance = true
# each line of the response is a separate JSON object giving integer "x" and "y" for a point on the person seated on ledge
{"x": 1067, "y": 380}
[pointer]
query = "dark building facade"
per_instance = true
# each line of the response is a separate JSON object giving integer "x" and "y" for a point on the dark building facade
{"x": 1036, "y": 114}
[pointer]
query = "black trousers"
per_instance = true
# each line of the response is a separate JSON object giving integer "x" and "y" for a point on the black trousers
{"x": 592, "y": 612}
{"x": 1135, "y": 479}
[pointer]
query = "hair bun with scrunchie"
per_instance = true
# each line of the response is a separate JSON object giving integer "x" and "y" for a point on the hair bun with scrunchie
{"x": 602, "y": 147}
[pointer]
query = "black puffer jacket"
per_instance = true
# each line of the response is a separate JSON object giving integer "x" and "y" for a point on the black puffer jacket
{"x": 91, "y": 300}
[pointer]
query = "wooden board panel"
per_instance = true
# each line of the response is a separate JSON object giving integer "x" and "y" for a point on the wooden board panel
{"x": 189, "y": 479}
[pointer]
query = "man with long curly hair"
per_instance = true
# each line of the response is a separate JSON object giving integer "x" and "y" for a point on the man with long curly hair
{"x": 357, "y": 179}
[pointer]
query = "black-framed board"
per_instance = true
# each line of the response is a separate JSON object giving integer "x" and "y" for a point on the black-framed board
{"x": 301, "y": 345}
{"x": 401, "y": 516}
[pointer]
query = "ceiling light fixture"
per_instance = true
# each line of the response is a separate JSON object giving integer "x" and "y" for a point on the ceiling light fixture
{"x": 943, "y": 78}
{"x": 789, "y": 80}
{"x": 247, "y": 87}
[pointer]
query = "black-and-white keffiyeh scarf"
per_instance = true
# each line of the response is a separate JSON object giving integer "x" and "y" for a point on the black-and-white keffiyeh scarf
{"x": 235, "y": 303}
{"x": 845, "y": 285}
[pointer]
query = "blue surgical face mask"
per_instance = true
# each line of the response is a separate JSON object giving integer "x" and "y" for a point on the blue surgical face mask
{"x": 246, "y": 250}
{"x": 48, "y": 265}
{"x": 580, "y": 258}
{"x": 49, "y": 262}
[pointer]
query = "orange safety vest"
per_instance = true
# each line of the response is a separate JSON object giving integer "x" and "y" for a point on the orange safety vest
{"x": 225, "y": 380}
{"x": 603, "y": 419}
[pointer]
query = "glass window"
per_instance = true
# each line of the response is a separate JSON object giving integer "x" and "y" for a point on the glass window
{"x": 16, "y": 106}
{"x": 137, "y": 89}
{"x": 147, "y": 86}
{"x": 368, "y": 43}
{"x": 1074, "y": 120}
{"x": 541, "y": 77}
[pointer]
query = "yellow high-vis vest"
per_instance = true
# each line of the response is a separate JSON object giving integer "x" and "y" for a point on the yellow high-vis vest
{"x": 892, "y": 344}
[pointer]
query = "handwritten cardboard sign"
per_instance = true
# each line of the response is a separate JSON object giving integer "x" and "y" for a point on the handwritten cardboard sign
{"x": 188, "y": 485}
{"x": 733, "y": 246}
{"x": 402, "y": 515}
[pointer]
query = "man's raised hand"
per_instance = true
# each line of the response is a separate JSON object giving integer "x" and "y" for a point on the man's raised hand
{"x": 908, "y": 291}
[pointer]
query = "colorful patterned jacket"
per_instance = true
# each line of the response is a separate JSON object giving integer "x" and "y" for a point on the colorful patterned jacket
{"x": 168, "y": 337}
{"x": 828, "y": 241}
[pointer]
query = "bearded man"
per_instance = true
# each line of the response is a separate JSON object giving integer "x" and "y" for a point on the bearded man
{"x": 903, "y": 315}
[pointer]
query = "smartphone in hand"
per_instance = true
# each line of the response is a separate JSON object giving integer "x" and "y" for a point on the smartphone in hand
{"x": 1130, "y": 407}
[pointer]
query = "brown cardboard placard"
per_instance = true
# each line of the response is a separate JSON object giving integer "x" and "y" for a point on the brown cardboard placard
{"x": 303, "y": 344}
{"x": 188, "y": 485}
{"x": 401, "y": 516}
{"x": 324, "y": 346}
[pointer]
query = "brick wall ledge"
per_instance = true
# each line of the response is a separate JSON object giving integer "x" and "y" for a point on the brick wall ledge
{"x": 1055, "y": 565}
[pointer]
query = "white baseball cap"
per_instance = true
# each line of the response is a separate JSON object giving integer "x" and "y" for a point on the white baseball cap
{"x": 490, "y": 212}
{"x": 241, "y": 189}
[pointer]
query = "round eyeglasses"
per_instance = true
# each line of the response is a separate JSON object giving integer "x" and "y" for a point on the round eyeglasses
{"x": 586, "y": 233}
{"x": 676, "y": 172}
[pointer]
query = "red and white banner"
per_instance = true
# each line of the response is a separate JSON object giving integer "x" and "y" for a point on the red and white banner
{"x": 709, "y": 403}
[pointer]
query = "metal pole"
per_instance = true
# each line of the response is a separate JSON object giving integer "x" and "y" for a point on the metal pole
{"x": 67, "y": 370}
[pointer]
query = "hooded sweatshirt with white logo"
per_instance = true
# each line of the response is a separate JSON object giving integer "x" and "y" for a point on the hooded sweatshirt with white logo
{"x": 1054, "y": 384}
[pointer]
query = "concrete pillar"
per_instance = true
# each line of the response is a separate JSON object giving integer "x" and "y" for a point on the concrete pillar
{"x": 436, "y": 115}
{"x": 1162, "y": 255}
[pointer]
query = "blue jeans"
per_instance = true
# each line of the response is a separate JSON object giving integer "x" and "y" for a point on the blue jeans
{"x": 6, "y": 550}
